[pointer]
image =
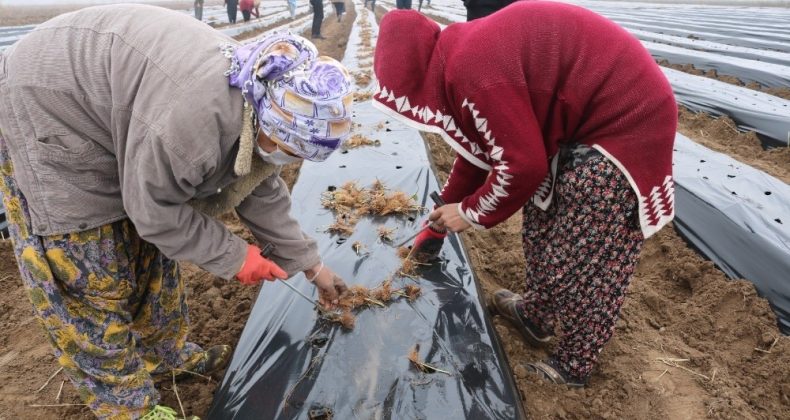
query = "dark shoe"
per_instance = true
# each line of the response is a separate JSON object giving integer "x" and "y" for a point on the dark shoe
{"x": 213, "y": 360}
{"x": 317, "y": 37}
{"x": 551, "y": 372}
{"x": 506, "y": 303}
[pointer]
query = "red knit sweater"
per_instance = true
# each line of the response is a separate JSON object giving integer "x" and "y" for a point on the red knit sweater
{"x": 507, "y": 90}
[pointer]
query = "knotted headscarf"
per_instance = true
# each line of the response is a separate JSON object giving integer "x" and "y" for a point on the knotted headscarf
{"x": 300, "y": 99}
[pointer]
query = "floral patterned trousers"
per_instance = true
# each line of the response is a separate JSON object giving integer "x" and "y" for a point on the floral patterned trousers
{"x": 112, "y": 306}
{"x": 580, "y": 255}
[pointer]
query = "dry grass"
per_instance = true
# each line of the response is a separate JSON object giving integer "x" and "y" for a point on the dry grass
{"x": 414, "y": 358}
{"x": 350, "y": 203}
{"x": 360, "y": 297}
{"x": 385, "y": 234}
{"x": 363, "y": 78}
{"x": 358, "y": 140}
{"x": 359, "y": 248}
{"x": 362, "y": 97}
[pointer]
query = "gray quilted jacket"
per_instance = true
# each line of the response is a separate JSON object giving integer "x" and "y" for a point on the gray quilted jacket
{"x": 123, "y": 111}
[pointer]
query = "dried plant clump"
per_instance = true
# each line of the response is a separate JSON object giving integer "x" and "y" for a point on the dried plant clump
{"x": 358, "y": 247}
{"x": 403, "y": 252}
{"x": 345, "y": 198}
{"x": 408, "y": 266}
{"x": 344, "y": 224}
{"x": 397, "y": 202}
{"x": 414, "y": 358}
{"x": 384, "y": 292}
{"x": 361, "y": 97}
{"x": 353, "y": 298}
{"x": 347, "y": 320}
{"x": 412, "y": 292}
{"x": 360, "y": 297}
{"x": 358, "y": 140}
{"x": 352, "y": 202}
{"x": 363, "y": 78}
{"x": 385, "y": 234}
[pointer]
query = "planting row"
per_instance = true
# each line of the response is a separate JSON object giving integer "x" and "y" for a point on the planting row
{"x": 291, "y": 361}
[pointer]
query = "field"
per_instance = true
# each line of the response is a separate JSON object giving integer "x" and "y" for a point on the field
{"x": 690, "y": 342}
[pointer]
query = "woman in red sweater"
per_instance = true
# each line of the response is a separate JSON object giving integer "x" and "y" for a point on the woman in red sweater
{"x": 558, "y": 111}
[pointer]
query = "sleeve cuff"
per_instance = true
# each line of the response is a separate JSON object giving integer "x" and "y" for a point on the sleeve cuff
{"x": 295, "y": 267}
{"x": 463, "y": 215}
{"x": 231, "y": 262}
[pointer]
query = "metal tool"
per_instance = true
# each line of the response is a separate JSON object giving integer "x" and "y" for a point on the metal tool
{"x": 439, "y": 202}
{"x": 266, "y": 252}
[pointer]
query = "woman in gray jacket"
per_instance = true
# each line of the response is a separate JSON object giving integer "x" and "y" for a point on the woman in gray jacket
{"x": 125, "y": 131}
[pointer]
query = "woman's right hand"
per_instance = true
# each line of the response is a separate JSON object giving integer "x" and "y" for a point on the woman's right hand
{"x": 330, "y": 285}
{"x": 257, "y": 268}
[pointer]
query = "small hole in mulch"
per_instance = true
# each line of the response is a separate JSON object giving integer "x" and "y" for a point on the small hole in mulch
{"x": 319, "y": 341}
{"x": 767, "y": 193}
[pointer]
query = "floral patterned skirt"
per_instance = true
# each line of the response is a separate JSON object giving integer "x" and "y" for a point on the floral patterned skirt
{"x": 112, "y": 306}
{"x": 580, "y": 255}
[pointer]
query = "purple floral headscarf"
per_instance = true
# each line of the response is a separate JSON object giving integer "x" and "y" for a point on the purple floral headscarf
{"x": 301, "y": 100}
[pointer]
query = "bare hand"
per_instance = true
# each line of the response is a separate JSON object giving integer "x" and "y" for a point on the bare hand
{"x": 447, "y": 217}
{"x": 330, "y": 286}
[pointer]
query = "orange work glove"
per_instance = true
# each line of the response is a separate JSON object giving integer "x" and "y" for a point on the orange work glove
{"x": 257, "y": 268}
{"x": 428, "y": 243}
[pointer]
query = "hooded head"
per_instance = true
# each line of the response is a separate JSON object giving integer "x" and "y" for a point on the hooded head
{"x": 300, "y": 100}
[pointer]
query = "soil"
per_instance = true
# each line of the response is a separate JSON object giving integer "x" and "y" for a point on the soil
{"x": 679, "y": 306}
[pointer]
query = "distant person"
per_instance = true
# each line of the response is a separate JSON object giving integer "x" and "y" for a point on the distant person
{"x": 248, "y": 9}
{"x": 372, "y": 4}
{"x": 480, "y": 8}
{"x": 199, "y": 10}
{"x": 142, "y": 141}
{"x": 340, "y": 8}
{"x": 557, "y": 113}
{"x": 292, "y": 8}
{"x": 232, "y": 7}
{"x": 318, "y": 18}
{"x": 403, "y": 4}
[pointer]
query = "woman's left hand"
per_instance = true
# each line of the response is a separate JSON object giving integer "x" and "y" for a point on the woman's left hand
{"x": 447, "y": 217}
{"x": 330, "y": 285}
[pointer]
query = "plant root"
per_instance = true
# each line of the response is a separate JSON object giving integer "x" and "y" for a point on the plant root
{"x": 414, "y": 358}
